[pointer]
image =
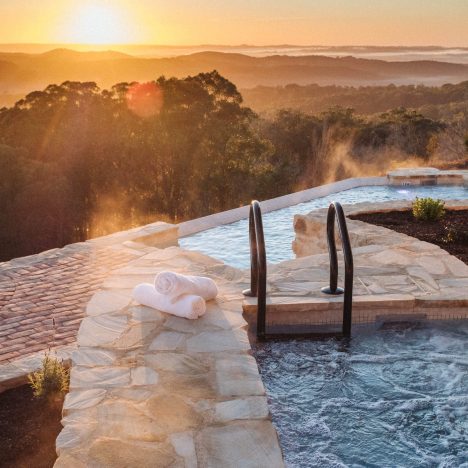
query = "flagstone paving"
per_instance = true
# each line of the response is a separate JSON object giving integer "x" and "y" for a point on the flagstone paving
{"x": 410, "y": 277}
{"x": 149, "y": 389}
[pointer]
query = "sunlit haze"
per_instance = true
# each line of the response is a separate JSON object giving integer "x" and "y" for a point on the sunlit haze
{"x": 97, "y": 24}
{"x": 328, "y": 22}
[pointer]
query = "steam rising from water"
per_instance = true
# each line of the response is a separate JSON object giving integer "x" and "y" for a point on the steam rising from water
{"x": 339, "y": 163}
{"x": 115, "y": 212}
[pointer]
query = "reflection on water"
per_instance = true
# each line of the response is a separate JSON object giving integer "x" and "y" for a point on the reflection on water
{"x": 389, "y": 399}
{"x": 230, "y": 243}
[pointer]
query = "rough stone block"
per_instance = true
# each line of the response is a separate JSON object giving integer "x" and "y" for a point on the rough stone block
{"x": 247, "y": 408}
{"x": 211, "y": 342}
{"x": 93, "y": 357}
{"x": 123, "y": 420}
{"x": 144, "y": 376}
{"x": 80, "y": 399}
{"x": 178, "y": 363}
{"x": 251, "y": 444}
{"x": 238, "y": 375}
{"x": 168, "y": 341}
{"x": 172, "y": 413}
{"x": 101, "y": 330}
{"x": 123, "y": 453}
{"x": 104, "y": 302}
{"x": 184, "y": 446}
{"x": 99, "y": 377}
{"x": 146, "y": 314}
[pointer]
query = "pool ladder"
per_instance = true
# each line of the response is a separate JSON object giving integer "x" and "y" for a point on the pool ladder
{"x": 258, "y": 265}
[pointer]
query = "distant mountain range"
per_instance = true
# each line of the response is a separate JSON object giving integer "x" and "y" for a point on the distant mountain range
{"x": 23, "y": 72}
{"x": 394, "y": 53}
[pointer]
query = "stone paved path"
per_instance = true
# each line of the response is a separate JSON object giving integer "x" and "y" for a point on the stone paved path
{"x": 42, "y": 297}
{"x": 152, "y": 390}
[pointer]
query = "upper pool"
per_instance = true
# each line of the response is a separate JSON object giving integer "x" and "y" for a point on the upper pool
{"x": 230, "y": 242}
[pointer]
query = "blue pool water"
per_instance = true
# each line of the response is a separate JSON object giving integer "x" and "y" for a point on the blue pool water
{"x": 230, "y": 242}
{"x": 391, "y": 398}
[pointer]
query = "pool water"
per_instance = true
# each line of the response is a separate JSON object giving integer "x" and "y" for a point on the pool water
{"x": 230, "y": 242}
{"x": 390, "y": 398}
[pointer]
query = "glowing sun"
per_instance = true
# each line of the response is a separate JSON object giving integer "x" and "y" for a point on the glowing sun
{"x": 99, "y": 24}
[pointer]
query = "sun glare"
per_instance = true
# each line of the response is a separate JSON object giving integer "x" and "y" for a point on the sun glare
{"x": 99, "y": 24}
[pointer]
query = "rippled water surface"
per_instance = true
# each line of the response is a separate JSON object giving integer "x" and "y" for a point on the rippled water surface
{"x": 392, "y": 398}
{"x": 230, "y": 242}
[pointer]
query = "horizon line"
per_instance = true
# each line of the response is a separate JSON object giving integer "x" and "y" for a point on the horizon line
{"x": 117, "y": 44}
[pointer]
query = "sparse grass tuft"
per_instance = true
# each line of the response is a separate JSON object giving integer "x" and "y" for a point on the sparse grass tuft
{"x": 51, "y": 379}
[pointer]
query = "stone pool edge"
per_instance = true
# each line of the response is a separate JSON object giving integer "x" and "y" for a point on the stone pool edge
{"x": 442, "y": 277}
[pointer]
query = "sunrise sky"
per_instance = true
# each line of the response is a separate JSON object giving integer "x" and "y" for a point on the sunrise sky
{"x": 189, "y": 22}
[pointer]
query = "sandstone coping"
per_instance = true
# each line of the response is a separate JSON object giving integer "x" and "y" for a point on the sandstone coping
{"x": 410, "y": 176}
{"x": 310, "y": 229}
{"x": 395, "y": 275}
{"x": 158, "y": 234}
{"x": 226, "y": 217}
{"x": 150, "y": 389}
{"x": 126, "y": 245}
{"x": 43, "y": 296}
{"x": 427, "y": 176}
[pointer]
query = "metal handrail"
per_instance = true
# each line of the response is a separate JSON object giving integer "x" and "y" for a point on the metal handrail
{"x": 258, "y": 266}
{"x": 335, "y": 210}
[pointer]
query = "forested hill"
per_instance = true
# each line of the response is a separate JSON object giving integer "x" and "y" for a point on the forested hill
{"x": 78, "y": 161}
{"x": 21, "y": 73}
{"x": 314, "y": 99}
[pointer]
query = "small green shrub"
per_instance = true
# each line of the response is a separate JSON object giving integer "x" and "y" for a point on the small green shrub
{"x": 52, "y": 378}
{"x": 428, "y": 209}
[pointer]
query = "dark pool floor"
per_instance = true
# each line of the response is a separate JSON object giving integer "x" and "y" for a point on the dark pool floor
{"x": 391, "y": 398}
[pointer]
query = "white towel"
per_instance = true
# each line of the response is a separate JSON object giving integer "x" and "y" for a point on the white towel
{"x": 174, "y": 285}
{"x": 188, "y": 306}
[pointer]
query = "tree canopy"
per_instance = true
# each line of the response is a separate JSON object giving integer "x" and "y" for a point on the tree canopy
{"x": 77, "y": 161}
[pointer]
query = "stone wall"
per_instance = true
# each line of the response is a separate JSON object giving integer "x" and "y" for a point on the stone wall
{"x": 311, "y": 231}
{"x": 427, "y": 176}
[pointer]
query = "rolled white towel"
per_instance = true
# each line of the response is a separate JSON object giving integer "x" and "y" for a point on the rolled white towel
{"x": 188, "y": 306}
{"x": 174, "y": 285}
